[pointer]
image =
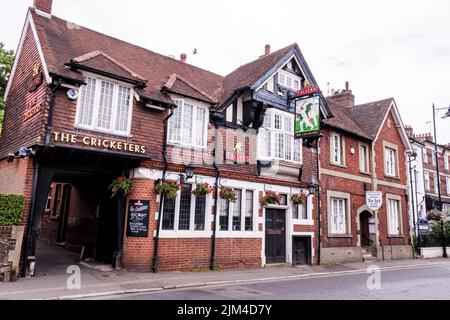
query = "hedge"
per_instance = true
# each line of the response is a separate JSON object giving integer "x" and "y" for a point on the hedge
{"x": 11, "y": 209}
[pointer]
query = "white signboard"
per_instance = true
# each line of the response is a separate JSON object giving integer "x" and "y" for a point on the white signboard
{"x": 374, "y": 200}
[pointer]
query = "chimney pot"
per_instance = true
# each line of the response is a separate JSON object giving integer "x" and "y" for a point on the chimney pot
{"x": 347, "y": 86}
{"x": 267, "y": 49}
{"x": 183, "y": 57}
{"x": 43, "y": 5}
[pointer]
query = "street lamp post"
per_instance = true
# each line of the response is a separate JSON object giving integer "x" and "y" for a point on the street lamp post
{"x": 444, "y": 249}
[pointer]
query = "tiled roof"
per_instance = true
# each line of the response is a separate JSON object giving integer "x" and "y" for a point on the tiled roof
{"x": 363, "y": 120}
{"x": 249, "y": 73}
{"x": 62, "y": 41}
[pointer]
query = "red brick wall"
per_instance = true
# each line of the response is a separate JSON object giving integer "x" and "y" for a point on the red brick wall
{"x": 138, "y": 252}
{"x": 17, "y": 132}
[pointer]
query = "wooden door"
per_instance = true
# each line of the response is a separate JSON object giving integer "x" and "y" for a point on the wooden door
{"x": 275, "y": 236}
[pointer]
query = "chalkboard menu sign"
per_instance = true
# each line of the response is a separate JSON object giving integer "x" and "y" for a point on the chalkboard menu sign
{"x": 138, "y": 218}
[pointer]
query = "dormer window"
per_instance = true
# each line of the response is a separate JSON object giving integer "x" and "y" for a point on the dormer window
{"x": 105, "y": 106}
{"x": 289, "y": 80}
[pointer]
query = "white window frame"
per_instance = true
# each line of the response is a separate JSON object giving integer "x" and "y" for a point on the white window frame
{"x": 425, "y": 155}
{"x": 447, "y": 183}
{"x": 366, "y": 158}
{"x": 394, "y": 223}
{"x": 284, "y": 117}
{"x": 309, "y": 219}
{"x": 435, "y": 182}
{"x": 292, "y": 77}
{"x": 93, "y": 126}
{"x": 243, "y": 211}
{"x": 191, "y": 232}
{"x": 427, "y": 181}
{"x": 391, "y": 168}
{"x": 433, "y": 158}
{"x": 337, "y": 151}
{"x": 446, "y": 162}
{"x": 336, "y": 195}
{"x": 195, "y": 107}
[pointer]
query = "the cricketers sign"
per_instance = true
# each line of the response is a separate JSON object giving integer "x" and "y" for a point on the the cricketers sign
{"x": 307, "y": 121}
{"x": 374, "y": 200}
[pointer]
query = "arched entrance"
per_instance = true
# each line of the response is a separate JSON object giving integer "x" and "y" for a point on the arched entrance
{"x": 367, "y": 229}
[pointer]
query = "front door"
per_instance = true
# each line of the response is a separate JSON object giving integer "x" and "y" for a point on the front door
{"x": 275, "y": 236}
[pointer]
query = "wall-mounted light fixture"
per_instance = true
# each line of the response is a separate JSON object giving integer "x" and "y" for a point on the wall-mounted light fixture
{"x": 189, "y": 173}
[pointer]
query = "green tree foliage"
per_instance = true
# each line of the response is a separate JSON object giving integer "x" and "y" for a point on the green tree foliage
{"x": 6, "y": 61}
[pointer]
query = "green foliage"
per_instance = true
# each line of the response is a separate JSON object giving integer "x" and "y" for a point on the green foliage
{"x": 169, "y": 188}
{"x": 202, "y": 189}
{"x": 11, "y": 209}
{"x": 121, "y": 186}
{"x": 227, "y": 193}
{"x": 436, "y": 228}
{"x": 6, "y": 62}
{"x": 270, "y": 197}
{"x": 2, "y": 113}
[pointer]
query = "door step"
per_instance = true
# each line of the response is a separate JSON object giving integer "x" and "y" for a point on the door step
{"x": 276, "y": 265}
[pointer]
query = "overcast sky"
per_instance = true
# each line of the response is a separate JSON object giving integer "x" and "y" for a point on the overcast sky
{"x": 397, "y": 49}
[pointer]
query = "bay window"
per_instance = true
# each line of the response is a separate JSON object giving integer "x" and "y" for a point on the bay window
{"x": 276, "y": 138}
{"x": 188, "y": 125}
{"x": 289, "y": 80}
{"x": 105, "y": 106}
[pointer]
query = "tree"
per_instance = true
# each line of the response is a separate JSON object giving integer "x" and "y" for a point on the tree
{"x": 6, "y": 61}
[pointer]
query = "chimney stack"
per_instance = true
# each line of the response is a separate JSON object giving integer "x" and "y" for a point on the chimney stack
{"x": 43, "y": 5}
{"x": 343, "y": 97}
{"x": 183, "y": 57}
{"x": 267, "y": 49}
{"x": 424, "y": 136}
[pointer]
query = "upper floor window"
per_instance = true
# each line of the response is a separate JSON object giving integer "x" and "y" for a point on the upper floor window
{"x": 433, "y": 158}
{"x": 390, "y": 161}
{"x": 425, "y": 155}
{"x": 435, "y": 183}
{"x": 337, "y": 149}
{"x": 276, "y": 138}
{"x": 289, "y": 80}
{"x": 105, "y": 106}
{"x": 426, "y": 176}
{"x": 364, "y": 158}
{"x": 188, "y": 125}
{"x": 447, "y": 183}
{"x": 446, "y": 162}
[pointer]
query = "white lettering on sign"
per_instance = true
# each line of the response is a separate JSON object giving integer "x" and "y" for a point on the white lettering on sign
{"x": 374, "y": 200}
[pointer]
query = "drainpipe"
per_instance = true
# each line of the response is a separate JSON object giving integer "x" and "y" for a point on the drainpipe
{"x": 213, "y": 264}
{"x": 48, "y": 130}
{"x": 161, "y": 200}
{"x": 319, "y": 240}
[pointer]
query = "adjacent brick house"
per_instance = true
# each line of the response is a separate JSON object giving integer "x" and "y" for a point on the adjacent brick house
{"x": 363, "y": 148}
{"x": 83, "y": 108}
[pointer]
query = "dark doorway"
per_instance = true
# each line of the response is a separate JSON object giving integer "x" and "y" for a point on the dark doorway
{"x": 365, "y": 220}
{"x": 301, "y": 250}
{"x": 63, "y": 192}
{"x": 275, "y": 236}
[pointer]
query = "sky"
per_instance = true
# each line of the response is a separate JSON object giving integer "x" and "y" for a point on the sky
{"x": 384, "y": 49}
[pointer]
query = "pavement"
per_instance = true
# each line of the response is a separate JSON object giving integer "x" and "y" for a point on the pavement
{"x": 51, "y": 278}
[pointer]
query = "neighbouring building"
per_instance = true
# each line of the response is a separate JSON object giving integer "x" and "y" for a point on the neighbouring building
{"x": 83, "y": 108}
{"x": 364, "y": 148}
{"x": 430, "y": 180}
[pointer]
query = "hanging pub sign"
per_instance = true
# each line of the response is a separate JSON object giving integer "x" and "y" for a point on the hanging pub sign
{"x": 36, "y": 79}
{"x": 307, "y": 111}
{"x": 374, "y": 200}
{"x": 138, "y": 218}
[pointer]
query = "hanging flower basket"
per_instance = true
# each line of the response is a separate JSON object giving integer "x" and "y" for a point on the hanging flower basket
{"x": 202, "y": 189}
{"x": 121, "y": 186}
{"x": 299, "y": 198}
{"x": 227, "y": 193}
{"x": 270, "y": 197}
{"x": 168, "y": 188}
{"x": 435, "y": 215}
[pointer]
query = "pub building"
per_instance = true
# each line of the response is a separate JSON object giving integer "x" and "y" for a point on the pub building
{"x": 83, "y": 109}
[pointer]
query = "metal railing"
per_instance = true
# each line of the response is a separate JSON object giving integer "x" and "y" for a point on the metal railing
{"x": 432, "y": 240}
